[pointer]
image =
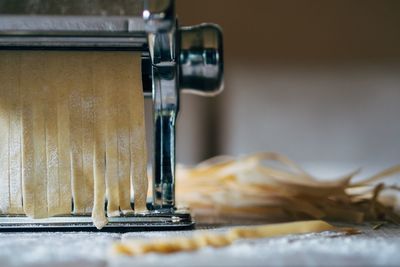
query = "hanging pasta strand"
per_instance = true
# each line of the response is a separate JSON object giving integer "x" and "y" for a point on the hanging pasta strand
{"x": 62, "y": 85}
{"x": 52, "y": 152}
{"x": 4, "y": 135}
{"x": 15, "y": 137}
{"x": 35, "y": 182}
{"x": 99, "y": 150}
{"x": 123, "y": 86}
{"x": 87, "y": 130}
{"x": 111, "y": 143}
{"x": 75, "y": 123}
{"x": 137, "y": 137}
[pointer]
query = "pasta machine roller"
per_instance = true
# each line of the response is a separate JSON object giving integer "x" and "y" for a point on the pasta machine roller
{"x": 174, "y": 59}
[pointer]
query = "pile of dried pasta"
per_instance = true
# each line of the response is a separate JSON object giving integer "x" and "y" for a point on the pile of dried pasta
{"x": 225, "y": 189}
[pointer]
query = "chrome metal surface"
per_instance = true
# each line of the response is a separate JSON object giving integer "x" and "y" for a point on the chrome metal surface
{"x": 131, "y": 43}
{"x": 73, "y": 7}
{"x": 201, "y": 59}
{"x": 73, "y": 31}
{"x": 159, "y": 219}
{"x": 162, "y": 47}
{"x": 159, "y": 15}
{"x": 71, "y": 25}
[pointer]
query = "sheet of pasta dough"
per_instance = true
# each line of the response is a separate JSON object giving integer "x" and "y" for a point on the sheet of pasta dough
{"x": 71, "y": 133}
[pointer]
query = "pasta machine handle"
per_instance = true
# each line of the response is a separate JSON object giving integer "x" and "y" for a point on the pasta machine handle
{"x": 201, "y": 59}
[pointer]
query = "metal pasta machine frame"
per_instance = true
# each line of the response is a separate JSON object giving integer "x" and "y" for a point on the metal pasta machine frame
{"x": 174, "y": 59}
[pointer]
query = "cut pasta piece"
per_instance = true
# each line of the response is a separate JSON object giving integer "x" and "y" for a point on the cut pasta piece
{"x": 171, "y": 245}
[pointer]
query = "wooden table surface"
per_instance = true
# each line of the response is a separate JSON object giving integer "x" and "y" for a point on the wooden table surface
{"x": 371, "y": 248}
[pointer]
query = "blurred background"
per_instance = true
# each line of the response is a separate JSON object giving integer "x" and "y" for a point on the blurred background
{"x": 316, "y": 80}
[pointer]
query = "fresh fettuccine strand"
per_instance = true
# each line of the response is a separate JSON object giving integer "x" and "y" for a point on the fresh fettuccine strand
{"x": 4, "y": 136}
{"x": 28, "y": 170}
{"x": 75, "y": 123}
{"x": 123, "y": 84}
{"x": 171, "y": 245}
{"x": 99, "y": 153}
{"x": 52, "y": 149}
{"x": 137, "y": 138}
{"x": 60, "y": 69}
{"x": 15, "y": 165}
{"x": 111, "y": 146}
{"x": 38, "y": 180}
{"x": 10, "y": 136}
{"x": 87, "y": 130}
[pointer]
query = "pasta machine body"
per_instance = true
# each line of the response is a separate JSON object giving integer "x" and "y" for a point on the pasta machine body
{"x": 174, "y": 59}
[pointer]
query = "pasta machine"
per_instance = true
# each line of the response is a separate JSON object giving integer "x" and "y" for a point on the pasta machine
{"x": 174, "y": 59}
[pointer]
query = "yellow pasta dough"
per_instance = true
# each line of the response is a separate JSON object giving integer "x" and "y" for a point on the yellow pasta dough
{"x": 72, "y": 133}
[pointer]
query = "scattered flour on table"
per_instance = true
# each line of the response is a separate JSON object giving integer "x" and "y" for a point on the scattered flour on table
{"x": 321, "y": 249}
{"x": 92, "y": 249}
{"x": 55, "y": 249}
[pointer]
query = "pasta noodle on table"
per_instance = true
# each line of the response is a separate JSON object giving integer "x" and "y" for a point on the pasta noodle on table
{"x": 131, "y": 247}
